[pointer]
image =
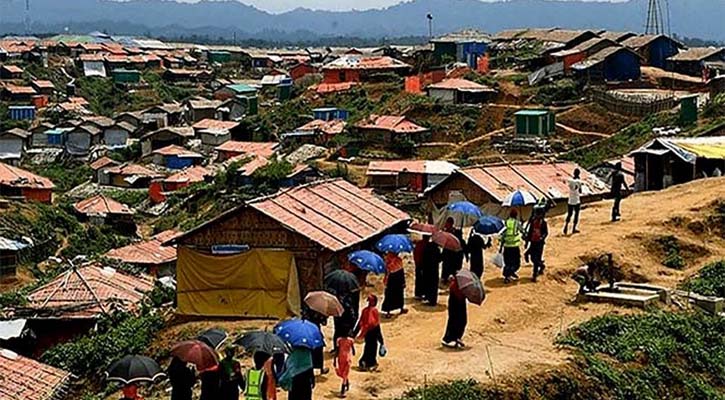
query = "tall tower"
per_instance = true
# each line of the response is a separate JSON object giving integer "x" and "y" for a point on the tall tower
{"x": 654, "y": 24}
{"x": 27, "y": 17}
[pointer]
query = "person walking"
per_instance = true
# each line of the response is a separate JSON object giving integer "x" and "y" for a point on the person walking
{"x": 511, "y": 246}
{"x": 457, "y": 316}
{"x": 476, "y": 246}
{"x": 345, "y": 323}
{"x": 368, "y": 328}
{"x": 574, "y": 205}
{"x": 394, "y": 285}
{"x": 418, "y": 259}
{"x": 231, "y": 376}
{"x": 130, "y": 392}
{"x": 343, "y": 361}
{"x": 618, "y": 183}
{"x": 431, "y": 272}
{"x": 182, "y": 379}
{"x": 538, "y": 231}
{"x": 210, "y": 384}
{"x": 318, "y": 354}
{"x": 298, "y": 377}
{"x": 452, "y": 260}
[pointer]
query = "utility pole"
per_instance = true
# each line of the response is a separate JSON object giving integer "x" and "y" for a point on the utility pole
{"x": 430, "y": 26}
{"x": 27, "y": 17}
{"x": 654, "y": 25}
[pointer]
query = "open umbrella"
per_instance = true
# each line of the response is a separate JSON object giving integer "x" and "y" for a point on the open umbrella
{"x": 324, "y": 303}
{"x": 471, "y": 286}
{"x": 196, "y": 352}
{"x": 447, "y": 241}
{"x": 341, "y": 282}
{"x": 367, "y": 261}
{"x": 394, "y": 244}
{"x": 300, "y": 333}
{"x": 519, "y": 198}
{"x": 488, "y": 225}
{"x": 134, "y": 369}
{"x": 266, "y": 342}
{"x": 422, "y": 228}
{"x": 213, "y": 338}
{"x": 464, "y": 213}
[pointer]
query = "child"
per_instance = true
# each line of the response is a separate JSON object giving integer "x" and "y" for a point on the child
{"x": 343, "y": 360}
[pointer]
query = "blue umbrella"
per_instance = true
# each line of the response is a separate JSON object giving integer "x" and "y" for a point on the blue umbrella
{"x": 464, "y": 212}
{"x": 300, "y": 333}
{"x": 488, "y": 225}
{"x": 394, "y": 244}
{"x": 367, "y": 261}
{"x": 519, "y": 198}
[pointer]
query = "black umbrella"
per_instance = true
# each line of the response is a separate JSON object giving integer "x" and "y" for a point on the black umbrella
{"x": 266, "y": 342}
{"x": 213, "y": 338}
{"x": 341, "y": 282}
{"x": 134, "y": 369}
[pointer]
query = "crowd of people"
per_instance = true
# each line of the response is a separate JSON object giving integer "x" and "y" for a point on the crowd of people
{"x": 436, "y": 268}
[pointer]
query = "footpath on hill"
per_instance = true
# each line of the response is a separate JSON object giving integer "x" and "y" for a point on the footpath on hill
{"x": 513, "y": 333}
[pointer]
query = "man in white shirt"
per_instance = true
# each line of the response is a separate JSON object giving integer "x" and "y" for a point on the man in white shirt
{"x": 574, "y": 205}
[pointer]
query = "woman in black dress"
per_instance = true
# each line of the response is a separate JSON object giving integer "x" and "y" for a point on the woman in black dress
{"x": 457, "y": 317}
{"x": 394, "y": 285}
{"x": 476, "y": 245}
{"x": 431, "y": 272}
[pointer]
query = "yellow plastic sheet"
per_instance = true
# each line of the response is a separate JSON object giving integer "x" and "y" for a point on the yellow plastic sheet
{"x": 258, "y": 283}
{"x": 712, "y": 151}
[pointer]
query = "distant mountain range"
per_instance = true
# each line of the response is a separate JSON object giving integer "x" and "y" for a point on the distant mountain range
{"x": 690, "y": 18}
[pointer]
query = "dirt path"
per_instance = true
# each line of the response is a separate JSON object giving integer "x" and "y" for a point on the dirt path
{"x": 571, "y": 130}
{"x": 517, "y": 325}
{"x": 462, "y": 145}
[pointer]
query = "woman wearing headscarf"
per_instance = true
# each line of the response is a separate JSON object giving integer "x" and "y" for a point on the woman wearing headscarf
{"x": 394, "y": 285}
{"x": 457, "y": 317}
{"x": 231, "y": 376}
{"x": 345, "y": 323}
{"x": 431, "y": 272}
{"x": 452, "y": 260}
{"x": 318, "y": 354}
{"x": 476, "y": 246}
{"x": 368, "y": 328}
{"x": 419, "y": 259}
{"x": 298, "y": 377}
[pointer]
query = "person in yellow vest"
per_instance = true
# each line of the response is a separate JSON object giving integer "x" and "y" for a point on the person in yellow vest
{"x": 254, "y": 389}
{"x": 511, "y": 246}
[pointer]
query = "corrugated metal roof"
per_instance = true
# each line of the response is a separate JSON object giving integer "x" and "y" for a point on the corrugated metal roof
{"x": 20, "y": 178}
{"x": 87, "y": 292}
{"x": 333, "y": 213}
{"x": 190, "y": 175}
{"x": 9, "y": 244}
{"x": 215, "y": 124}
{"x": 360, "y": 62}
{"x": 435, "y": 167}
{"x": 102, "y": 162}
{"x": 262, "y": 149}
{"x": 174, "y": 150}
{"x": 696, "y": 53}
{"x": 540, "y": 179}
{"x": 149, "y": 252}
{"x": 27, "y": 379}
{"x": 462, "y": 85}
{"x": 392, "y": 123}
{"x": 332, "y": 127}
{"x": 133, "y": 169}
{"x": 102, "y": 205}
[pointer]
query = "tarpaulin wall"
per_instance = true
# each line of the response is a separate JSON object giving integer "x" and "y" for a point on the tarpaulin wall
{"x": 258, "y": 283}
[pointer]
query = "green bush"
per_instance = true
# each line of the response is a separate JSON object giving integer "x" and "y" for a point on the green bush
{"x": 456, "y": 390}
{"x": 130, "y": 197}
{"x": 709, "y": 282}
{"x": 93, "y": 241}
{"x": 564, "y": 90}
{"x": 671, "y": 248}
{"x": 65, "y": 175}
{"x": 117, "y": 336}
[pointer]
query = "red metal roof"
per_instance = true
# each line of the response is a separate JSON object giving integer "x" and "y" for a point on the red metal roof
{"x": 89, "y": 291}
{"x": 44, "y": 84}
{"x": 332, "y": 127}
{"x": 133, "y": 169}
{"x": 20, "y": 178}
{"x": 174, "y": 150}
{"x": 101, "y": 205}
{"x": 27, "y": 379}
{"x": 149, "y": 252}
{"x": 262, "y": 149}
{"x": 20, "y": 89}
{"x": 336, "y": 214}
{"x": 395, "y": 124}
{"x": 540, "y": 179}
{"x": 191, "y": 175}
{"x": 215, "y": 124}
{"x": 367, "y": 63}
{"x": 102, "y": 162}
{"x": 460, "y": 84}
{"x": 324, "y": 88}
{"x": 412, "y": 166}
{"x": 13, "y": 69}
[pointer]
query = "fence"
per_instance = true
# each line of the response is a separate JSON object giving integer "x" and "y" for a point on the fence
{"x": 636, "y": 105}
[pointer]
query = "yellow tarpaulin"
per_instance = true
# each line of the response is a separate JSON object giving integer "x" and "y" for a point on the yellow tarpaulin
{"x": 258, "y": 283}
{"x": 705, "y": 150}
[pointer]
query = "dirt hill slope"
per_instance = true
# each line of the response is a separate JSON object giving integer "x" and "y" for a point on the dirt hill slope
{"x": 513, "y": 332}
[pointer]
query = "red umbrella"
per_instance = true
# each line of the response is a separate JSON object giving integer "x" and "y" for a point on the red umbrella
{"x": 324, "y": 303}
{"x": 196, "y": 352}
{"x": 471, "y": 287}
{"x": 447, "y": 240}
{"x": 422, "y": 228}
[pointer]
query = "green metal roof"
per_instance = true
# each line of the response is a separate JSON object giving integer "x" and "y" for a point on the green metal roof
{"x": 532, "y": 113}
{"x": 242, "y": 88}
